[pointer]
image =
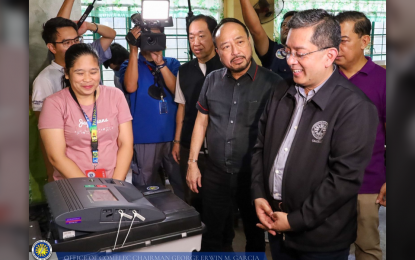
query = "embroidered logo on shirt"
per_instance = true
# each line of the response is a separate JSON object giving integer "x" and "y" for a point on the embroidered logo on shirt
{"x": 319, "y": 130}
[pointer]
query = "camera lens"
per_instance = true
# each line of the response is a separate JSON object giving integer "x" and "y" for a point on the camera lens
{"x": 151, "y": 41}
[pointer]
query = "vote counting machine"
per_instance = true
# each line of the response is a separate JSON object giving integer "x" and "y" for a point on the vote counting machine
{"x": 107, "y": 215}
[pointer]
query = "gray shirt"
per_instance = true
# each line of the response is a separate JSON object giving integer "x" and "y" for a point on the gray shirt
{"x": 277, "y": 171}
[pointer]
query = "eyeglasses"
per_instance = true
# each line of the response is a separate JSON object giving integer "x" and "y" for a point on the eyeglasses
{"x": 68, "y": 43}
{"x": 296, "y": 55}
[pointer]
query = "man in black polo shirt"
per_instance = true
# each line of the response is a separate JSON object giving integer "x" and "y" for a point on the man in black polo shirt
{"x": 314, "y": 143}
{"x": 265, "y": 48}
{"x": 190, "y": 79}
{"x": 230, "y": 104}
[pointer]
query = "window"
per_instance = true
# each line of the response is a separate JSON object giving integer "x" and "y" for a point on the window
{"x": 375, "y": 11}
{"x": 377, "y": 48}
{"x": 116, "y": 14}
{"x": 176, "y": 40}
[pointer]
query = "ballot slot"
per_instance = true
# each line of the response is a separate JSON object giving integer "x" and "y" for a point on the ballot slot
{"x": 107, "y": 215}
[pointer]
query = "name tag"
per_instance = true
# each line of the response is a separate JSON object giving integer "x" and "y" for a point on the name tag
{"x": 163, "y": 106}
{"x": 98, "y": 173}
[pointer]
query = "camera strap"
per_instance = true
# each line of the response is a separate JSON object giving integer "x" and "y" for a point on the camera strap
{"x": 154, "y": 72}
{"x": 156, "y": 90}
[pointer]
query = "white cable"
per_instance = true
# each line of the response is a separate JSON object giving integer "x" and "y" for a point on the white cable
{"x": 135, "y": 215}
{"x": 119, "y": 226}
{"x": 132, "y": 221}
{"x": 138, "y": 215}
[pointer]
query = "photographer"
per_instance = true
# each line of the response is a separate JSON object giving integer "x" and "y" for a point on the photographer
{"x": 119, "y": 55}
{"x": 265, "y": 48}
{"x": 151, "y": 82}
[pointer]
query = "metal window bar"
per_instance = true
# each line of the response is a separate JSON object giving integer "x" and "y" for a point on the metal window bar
{"x": 373, "y": 52}
{"x": 176, "y": 37}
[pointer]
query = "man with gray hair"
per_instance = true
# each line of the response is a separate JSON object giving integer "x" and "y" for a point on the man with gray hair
{"x": 314, "y": 142}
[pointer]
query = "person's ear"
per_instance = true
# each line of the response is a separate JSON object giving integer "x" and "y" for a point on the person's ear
{"x": 331, "y": 56}
{"x": 51, "y": 47}
{"x": 364, "y": 41}
{"x": 66, "y": 75}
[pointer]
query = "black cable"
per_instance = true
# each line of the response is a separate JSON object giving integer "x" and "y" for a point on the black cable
{"x": 189, "y": 16}
{"x": 281, "y": 9}
{"x": 85, "y": 15}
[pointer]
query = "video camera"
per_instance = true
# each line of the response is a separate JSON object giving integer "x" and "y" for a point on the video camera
{"x": 155, "y": 14}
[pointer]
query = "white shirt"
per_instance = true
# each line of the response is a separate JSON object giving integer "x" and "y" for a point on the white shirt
{"x": 178, "y": 96}
{"x": 48, "y": 81}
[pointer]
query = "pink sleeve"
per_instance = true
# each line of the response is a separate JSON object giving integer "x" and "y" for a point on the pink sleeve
{"x": 124, "y": 114}
{"x": 51, "y": 116}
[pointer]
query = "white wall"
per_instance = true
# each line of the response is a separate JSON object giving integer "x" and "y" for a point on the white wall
{"x": 39, "y": 12}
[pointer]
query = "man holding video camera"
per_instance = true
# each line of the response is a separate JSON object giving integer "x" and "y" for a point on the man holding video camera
{"x": 151, "y": 82}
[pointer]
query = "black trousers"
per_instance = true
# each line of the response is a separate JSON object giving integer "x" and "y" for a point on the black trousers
{"x": 280, "y": 252}
{"x": 221, "y": 192}
{"x": 193, "y": 199}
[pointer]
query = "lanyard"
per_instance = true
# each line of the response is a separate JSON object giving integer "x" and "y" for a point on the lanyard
{"x": 150, "y": 68}
{"x": 92, "y": 127}
{"x": 155, "y": 75}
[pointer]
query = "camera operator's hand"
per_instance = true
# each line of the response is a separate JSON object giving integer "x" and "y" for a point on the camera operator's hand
{"x": 136, "y": 31}
{"x": 157, "y": 57}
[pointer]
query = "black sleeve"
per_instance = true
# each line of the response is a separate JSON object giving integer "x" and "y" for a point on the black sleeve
{"x": 351, "y": 150}
{"x": 267, "y": 59}
{"x": 257, "y": 165}
{"x": 202, "y": 104}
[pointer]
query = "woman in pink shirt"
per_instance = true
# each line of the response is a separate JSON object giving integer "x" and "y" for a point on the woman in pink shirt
{"x": 86, "y": 127}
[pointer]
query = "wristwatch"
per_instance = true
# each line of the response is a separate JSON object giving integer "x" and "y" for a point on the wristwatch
{"x": 97, "y": 28}
{"x": 159, "y": 67}
{"x": 176, "y": 141}
{"x": 191, "y": 160}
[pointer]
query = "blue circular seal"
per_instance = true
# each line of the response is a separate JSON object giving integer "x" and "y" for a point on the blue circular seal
{"x": 41, "y": 250}
{"x": 153, "y": 187}
{"x": 91, "y": 174}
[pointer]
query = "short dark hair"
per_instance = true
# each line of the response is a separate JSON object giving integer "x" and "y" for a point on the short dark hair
{"x": 50, "y": 28}
{"x": 228, "y": 20}
{"x": 362, "y": 25}
{"x": 327, "y": 29}
{"x": 211, "y": 22}
{"x": 72, "y": 55}
{"x": 119, "y": 55}
{"x": 288, "y": 14}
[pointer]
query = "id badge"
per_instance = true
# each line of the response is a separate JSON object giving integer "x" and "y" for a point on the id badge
{"x": 163, "y": 106}
{"x": 98, "y": 173}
